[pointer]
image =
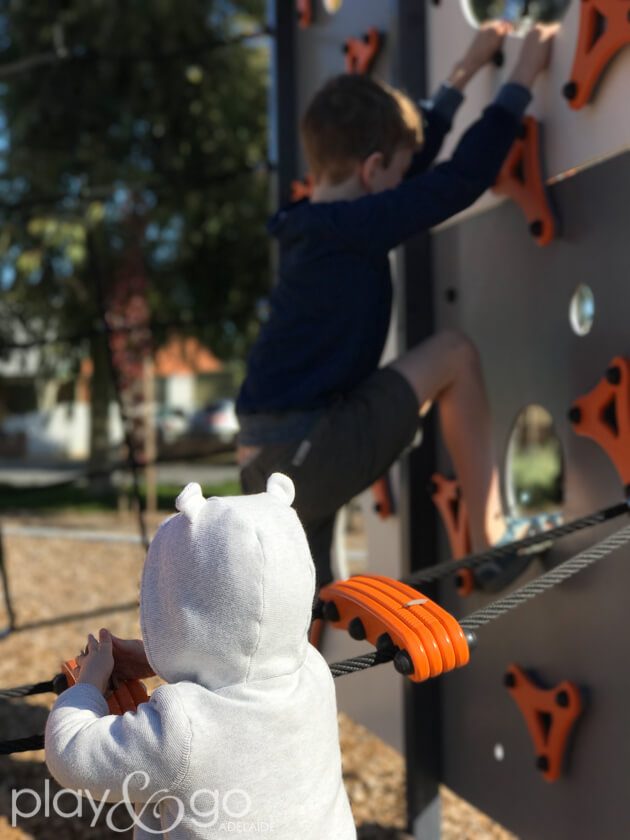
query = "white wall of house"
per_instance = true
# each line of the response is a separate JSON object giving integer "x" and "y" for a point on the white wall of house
{"x": 179, "y": 392}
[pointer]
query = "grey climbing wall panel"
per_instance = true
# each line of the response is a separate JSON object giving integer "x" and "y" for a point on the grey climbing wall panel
{"x": 513, "y": 300}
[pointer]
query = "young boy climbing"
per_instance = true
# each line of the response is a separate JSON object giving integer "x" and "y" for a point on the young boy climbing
{"x": 243, "y": 738}
{"x": 314, "y": 403}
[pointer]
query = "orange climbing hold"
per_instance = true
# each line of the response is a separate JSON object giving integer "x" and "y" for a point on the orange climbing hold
{"x": 604, "y": 30}
{"x": 361, "y": 53}
{"x": 383, "y": 500}
{"x": 521, "y": 179}
{"x": 302, "y": 189}
{"x": 604, "y": 415}
{"x": 126, "y": 698}
{"x": 305, "y": 13}
{"x": 447, "y": 497}
{"x": 427, "y": 639}
{"x": 550, "y": 715}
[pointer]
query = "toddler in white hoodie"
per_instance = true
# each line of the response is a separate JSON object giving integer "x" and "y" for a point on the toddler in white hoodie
{"x": 243, "y": 739}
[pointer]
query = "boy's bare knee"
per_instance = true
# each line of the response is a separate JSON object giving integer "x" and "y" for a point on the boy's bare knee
{"x": 459, "y": 347}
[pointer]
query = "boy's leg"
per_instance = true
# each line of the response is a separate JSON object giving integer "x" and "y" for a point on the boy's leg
{"x": 278, "y": 458}
{"x": 349, "y": 447}
{"x": 446, "y": 368}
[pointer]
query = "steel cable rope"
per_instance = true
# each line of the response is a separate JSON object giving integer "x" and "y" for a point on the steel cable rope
{"x": 477, "y": 619}
{"x": 499, "y": 608}
{"x": 450, "y": 567}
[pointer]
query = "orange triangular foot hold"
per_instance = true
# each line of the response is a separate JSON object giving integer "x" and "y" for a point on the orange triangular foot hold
{"x": 126, "y": 698}
{"x": 425, "y": 640}
{"x": 550, "y": 715}
{"x": 383, "y": 499}
{"x": 361, "y": 53}
{"x": 604, "y": 415}
{"x": 302, "y": 189}
{"x": 447, "y": 497}
{"x": 604, "y": 30}
{"x": 305, "y": 13}
{"x": 521, "y": 179}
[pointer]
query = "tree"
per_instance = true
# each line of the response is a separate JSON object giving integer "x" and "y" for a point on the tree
{"x": 136, "y": 111}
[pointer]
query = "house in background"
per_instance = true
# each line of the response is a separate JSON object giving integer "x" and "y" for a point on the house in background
{"x": 188, "y": 375}
{"x": 48, "y": 417}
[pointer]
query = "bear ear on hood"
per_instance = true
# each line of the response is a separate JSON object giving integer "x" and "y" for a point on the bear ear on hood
{"x": 281, "y": 487}
{"x": 190, "y": 501}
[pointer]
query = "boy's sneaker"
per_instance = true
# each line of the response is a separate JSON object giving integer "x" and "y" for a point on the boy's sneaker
{"x": 496, "y": 575}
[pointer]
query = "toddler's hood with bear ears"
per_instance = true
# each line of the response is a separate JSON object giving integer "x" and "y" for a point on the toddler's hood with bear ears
{"x": 227, "y": 589}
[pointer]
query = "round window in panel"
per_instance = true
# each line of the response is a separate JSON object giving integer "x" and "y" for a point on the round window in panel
{"x": 534, "y": 468}
{"x": 333, "y": 6}
{"x": 522, "y": 13}
{"x": 582, "y": 310}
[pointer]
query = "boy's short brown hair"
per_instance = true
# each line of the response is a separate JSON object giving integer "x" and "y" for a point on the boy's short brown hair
{"x": 352, "y": 117}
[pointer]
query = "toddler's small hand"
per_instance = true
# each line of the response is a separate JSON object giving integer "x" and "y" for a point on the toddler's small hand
{"x": 97, "y": 664}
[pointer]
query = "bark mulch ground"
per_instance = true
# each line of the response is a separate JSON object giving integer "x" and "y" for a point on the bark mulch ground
{"x": 52, "y": 579}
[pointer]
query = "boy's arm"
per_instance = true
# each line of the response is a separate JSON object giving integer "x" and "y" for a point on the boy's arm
{"x": 130, "y": 756}
{"x": 439, "y": 112}
{"x": 384, "y": 220}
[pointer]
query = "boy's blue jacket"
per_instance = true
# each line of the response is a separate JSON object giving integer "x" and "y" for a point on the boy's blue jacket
{"x": 331, "y": 307}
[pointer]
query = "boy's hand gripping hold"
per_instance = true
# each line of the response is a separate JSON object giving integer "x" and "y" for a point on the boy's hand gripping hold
{"x": 535, "y": 53}
{"x": 485, "y": 46}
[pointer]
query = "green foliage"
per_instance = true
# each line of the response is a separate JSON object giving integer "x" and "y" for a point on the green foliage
{"x": 536, "y": 475}
{"x": 159, "y": 129}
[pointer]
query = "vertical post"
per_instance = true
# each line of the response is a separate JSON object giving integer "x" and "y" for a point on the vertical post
{"x": 282, "y": 103}
{"x": 150, "y": 437}
{"x": 417, "y": 515}
{"x": 4, "y": 576}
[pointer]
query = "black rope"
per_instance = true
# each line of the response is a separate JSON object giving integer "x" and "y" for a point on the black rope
{"x": 56, "y": 686}
{"x": 546, "y": 581}
{"x": 36, "y": 742}
{"x": 361, "y": 663}
{"x": 33, "y": 742}
{"x": 443, "y": 570}
{"x": 520, "y": 596}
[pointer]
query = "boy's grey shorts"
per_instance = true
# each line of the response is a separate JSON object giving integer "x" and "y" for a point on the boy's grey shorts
{"x": 350, "y": 446}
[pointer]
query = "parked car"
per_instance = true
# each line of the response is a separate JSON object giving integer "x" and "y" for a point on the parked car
{"x": 217, "y": 420}
{"x": 171, "y": 423}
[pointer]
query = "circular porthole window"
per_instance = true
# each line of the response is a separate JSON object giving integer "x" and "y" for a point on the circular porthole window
{"x": 582, "y": 310}
{"x": 332, "y": 6}
{"x": 522, "y": 13}
{"x": 534, "y": 470}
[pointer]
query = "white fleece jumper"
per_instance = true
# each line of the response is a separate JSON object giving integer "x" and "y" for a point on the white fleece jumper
{"x": 246, "y": 729}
